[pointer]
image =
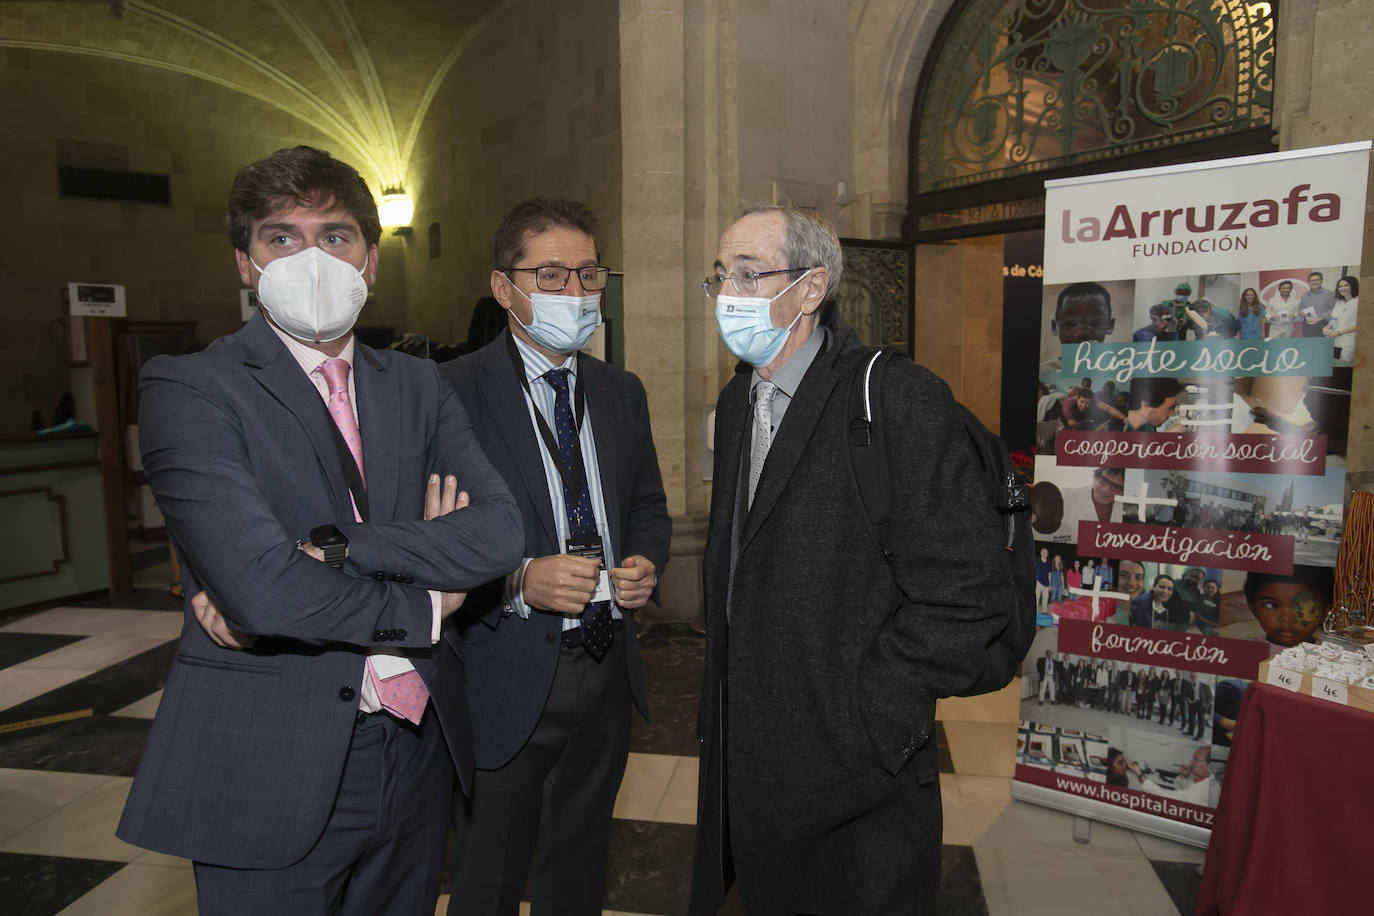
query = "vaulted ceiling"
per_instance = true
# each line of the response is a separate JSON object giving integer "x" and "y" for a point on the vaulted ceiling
{"x": 363, "y": 72}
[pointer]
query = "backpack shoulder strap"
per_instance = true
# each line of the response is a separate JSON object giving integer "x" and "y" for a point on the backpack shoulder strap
{"x": 867, "y": 452}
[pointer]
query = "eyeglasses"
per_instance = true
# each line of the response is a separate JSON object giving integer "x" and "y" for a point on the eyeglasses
{"x": 747, "y": 283}
{"x": 552, "y": 279}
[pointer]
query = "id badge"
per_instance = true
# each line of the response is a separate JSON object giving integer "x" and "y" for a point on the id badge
{"x": 591, "y": 546}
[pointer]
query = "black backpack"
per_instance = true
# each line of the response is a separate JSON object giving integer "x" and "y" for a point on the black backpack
{"x": 1009, "y": 493}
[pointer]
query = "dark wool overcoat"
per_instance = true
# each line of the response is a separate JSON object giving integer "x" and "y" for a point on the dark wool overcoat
{"x": 823, "y": 663}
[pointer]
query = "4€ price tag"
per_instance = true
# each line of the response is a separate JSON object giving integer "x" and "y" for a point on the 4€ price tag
{"x": 1282, "y": 677}
{"x": 1333, "y": 691}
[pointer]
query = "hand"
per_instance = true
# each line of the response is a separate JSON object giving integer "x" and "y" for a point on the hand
{"x": 634, "y": 582}
{"x": 215, "y": 626}
{"x": 561, "y": 583}
{"x": 439, "y": 503}
{"x": 450, "y": 602}
{"x": 1328, "y": 332}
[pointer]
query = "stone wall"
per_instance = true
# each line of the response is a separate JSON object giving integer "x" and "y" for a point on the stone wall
{"x": 176, "y": 261}
{"x": 1320, "y": 101}
{"x": 530, "y": 106}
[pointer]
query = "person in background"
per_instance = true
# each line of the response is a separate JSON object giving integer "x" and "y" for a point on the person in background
{"x": 1251, "y": 315}
{"x": 1207, "y": 615}
{"x": 1116, "y": 768}
{"x": 1281, "y": 312}
{"x": 1152, "y": 403}
{"x": 1082, "y": 314}
{"x": 1042, "y": 581}
{"x": 1044, "y": 669}
{"x": 1152, "y": 609}
{"x": 1178, "y": 308}
{"x": 1158, "y": 328}
{"x": 1341, "y": 324}
{"x": 1143, "y": 686}
{"x": 1194, "y": 783}
{"x": 1131, "y": 576}
{"x": 1314, "y": 307}
{"x": 1287, "y": 609}
{"x": 1212, "y": 321}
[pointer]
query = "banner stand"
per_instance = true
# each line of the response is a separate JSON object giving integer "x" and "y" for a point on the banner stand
{"x": 1195, "y": 378}
{"x": 1111, "y": 814}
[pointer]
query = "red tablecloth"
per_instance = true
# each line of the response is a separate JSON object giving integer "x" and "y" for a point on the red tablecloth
{"x": 1292, "y": 829}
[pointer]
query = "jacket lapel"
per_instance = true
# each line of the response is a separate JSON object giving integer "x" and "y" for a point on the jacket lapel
{"x": 505, "y": 398}
{"x": 599, "y": 407}
{"x": 272, "y": 366}
{"x": 379, "y": 406}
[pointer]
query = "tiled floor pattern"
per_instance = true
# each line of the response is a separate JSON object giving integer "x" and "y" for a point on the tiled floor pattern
{"x": 64, "y": 780}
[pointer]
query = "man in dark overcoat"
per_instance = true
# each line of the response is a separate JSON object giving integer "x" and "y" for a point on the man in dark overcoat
{"x": 819, "y": 788}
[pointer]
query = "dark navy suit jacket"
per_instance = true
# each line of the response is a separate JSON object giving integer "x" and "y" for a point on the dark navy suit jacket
{"x": 246, "y": 752}
{"x": 510, "y": 662}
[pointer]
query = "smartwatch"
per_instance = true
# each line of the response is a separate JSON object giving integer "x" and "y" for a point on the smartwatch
{"x": 332, "y": 541}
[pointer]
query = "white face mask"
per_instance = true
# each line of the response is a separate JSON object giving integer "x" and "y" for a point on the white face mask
{"x": 561, "y": 323}
{"x": 313, "y": 296}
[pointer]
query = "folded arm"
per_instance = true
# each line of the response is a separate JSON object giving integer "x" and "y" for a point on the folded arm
{"x": 197, "y": 458}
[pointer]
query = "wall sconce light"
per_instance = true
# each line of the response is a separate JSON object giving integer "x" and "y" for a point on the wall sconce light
{"x": 395, "y": 210}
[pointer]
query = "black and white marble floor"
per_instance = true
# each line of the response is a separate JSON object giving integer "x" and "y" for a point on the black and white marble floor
{"x": 79, "y": 686}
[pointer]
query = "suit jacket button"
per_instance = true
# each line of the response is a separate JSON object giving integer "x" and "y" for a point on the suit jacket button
{"x": 408, "y": 580}
{"x": 551, "y": 637}
{"x": 379, "y": 575}
{"x": 398, "y": 635}
{"x": 378, "y": 635}
{"x": 346, "y": 693}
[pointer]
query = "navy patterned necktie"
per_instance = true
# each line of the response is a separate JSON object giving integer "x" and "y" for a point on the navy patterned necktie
{"x": 597, "y": 634}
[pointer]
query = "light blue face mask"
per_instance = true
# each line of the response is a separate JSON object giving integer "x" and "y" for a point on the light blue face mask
{"x": 561, "y": 323}
{"x": 746, "y": 326}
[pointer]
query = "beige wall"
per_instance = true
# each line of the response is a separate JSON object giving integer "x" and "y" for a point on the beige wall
{"x": 1320, "y": 100}
{"x": 531, "y": 106}
{"x": 176, "y": 261}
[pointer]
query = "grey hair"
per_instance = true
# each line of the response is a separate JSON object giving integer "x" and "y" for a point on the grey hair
{"x": 810, "y": 241}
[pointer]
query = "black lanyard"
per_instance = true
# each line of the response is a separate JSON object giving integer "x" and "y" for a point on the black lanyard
{"x": 351, "y": 472}
{"x": 572, "y": 475}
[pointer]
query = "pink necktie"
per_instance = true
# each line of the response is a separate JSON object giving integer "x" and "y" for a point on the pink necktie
{"x": 403, "y": 695}
{"x": 335, "y": 372}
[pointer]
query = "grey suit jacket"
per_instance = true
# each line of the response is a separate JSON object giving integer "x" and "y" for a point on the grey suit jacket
{"x": 511, "y": 662}
{"x": 247, "y": 748}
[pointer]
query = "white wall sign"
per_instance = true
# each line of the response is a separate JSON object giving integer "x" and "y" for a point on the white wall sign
{"x": 103, "y": 299}
{"x": 1222, "y": 216}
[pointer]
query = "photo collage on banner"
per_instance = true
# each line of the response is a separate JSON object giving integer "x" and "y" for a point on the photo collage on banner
{"x": 1191, "y": 423}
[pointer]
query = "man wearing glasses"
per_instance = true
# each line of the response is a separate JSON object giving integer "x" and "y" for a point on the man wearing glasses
{"x": 818, "y": 787}
{"x": 1095, "y": 503}
{"x": 550, "y": 653}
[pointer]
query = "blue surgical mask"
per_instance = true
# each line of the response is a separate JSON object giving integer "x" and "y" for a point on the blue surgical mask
{"x": 561, "y": 323}
{"x": 746, "y": 326}
{"x": 1180, "y": 298}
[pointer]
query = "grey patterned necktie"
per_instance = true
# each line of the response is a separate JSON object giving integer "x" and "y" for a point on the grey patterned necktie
{"x": 763, "y": 433}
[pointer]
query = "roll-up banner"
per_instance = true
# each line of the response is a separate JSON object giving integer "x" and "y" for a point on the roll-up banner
{"x": 1197, "y": 335}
